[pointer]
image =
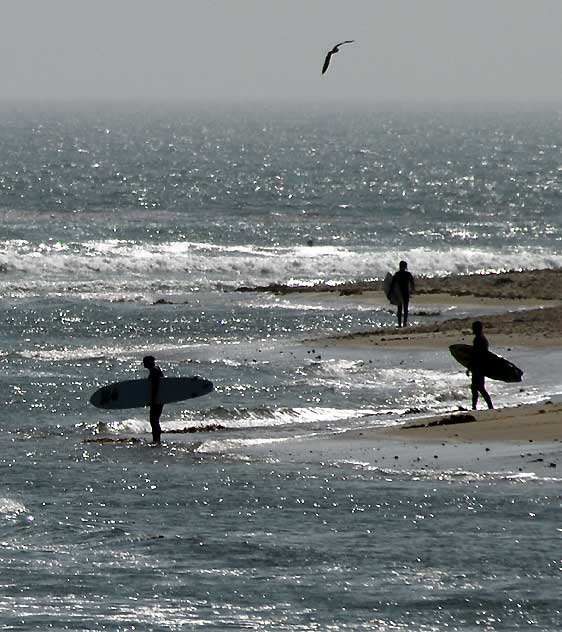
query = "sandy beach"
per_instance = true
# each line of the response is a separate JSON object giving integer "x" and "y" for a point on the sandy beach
{"x": 523, "y": 441}
{"x": 527, "y": 314}
{"x": 525, "y": 438}
{"x": 527, "y": 309}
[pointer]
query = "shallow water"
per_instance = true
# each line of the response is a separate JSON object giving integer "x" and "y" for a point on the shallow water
{"x": 166, "y": 539}
{"x": 124, "y": 232}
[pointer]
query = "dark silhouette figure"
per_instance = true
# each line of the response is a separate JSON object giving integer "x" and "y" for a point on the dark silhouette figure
{"x": 334, "y": 50}
{"x": 478, "y": 365}
{"x": 406, "y": 285}
{"x": 154, "y": 375}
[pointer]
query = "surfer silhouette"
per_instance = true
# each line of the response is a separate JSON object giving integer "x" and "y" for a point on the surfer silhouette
{"x": 478, "y": 365}
{"x": 405, "y": 282}
{"x": 154, "y": 375}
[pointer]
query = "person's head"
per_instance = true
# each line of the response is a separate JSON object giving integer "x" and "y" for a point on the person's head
{"x": 477, "y": 327}
{"x": 148, "y": 362}
{"x": 403, "y": 265}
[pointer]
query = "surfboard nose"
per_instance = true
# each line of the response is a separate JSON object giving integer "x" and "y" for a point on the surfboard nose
{"x": 207, "y": 386}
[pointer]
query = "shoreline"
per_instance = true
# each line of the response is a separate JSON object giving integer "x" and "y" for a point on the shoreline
{"x": 536, "y": 328}
{"x": 528, "y": 305}
{"x": 523, "y": 438}
{"x": 519, "y": 442}
{"x": 539, "y": 284}
{"x": 526, "y": 423}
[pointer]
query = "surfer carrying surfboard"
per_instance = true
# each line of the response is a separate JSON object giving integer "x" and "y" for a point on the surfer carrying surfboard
{"x": 478, "y": 365}
{"x": 154, "y": 375}
{"x": 404, "y": 281}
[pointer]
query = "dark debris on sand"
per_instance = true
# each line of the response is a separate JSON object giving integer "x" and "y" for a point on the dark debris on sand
{"x": 445, "y": 421}
{"x": 513, "y": 284}
{"x": 207, "y": 428}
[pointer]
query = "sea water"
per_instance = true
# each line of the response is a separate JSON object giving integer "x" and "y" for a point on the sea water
{"x": 125, "y": 230}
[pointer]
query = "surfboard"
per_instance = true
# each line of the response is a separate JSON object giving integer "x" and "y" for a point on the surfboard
{"x": 135, "y": 393}
{"x": 396, "y": 297}
{"x": 496, "y": 367}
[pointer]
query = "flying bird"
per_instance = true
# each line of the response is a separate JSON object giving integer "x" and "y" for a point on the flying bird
{"x": 334, "y": 50}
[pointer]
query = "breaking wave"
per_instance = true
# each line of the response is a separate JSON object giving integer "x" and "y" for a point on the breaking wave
{"x": 96, "y": 266}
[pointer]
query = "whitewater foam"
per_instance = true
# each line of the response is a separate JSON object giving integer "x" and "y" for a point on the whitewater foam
{"x": 190, "y": 266}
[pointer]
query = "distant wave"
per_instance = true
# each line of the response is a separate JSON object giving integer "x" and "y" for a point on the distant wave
{"x": 128, "y": 267}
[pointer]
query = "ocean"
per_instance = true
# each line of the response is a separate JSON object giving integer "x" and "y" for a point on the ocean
{"x": 125, "y": 230}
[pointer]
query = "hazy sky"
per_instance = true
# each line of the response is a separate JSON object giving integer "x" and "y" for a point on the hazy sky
{"x": 263, "y": 49}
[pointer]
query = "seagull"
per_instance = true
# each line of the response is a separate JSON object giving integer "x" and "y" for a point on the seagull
{"x": 334, "y": 50}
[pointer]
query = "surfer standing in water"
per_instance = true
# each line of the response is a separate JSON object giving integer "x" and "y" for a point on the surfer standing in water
{"x": 405, "y": 282}
{"x": 154, "y": 375}
{"x": 478, "y": 364}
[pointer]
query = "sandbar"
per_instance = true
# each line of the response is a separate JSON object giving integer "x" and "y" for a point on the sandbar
{"x": 526, "y": 313}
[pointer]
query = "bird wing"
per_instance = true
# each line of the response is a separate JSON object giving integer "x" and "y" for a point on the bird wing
{"x": 326, "y": 62}
{"x": 334, "y": 50}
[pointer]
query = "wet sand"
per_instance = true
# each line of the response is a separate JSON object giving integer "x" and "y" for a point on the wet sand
{"x": 524, "y": 441}
{"x": 519, "y": 326}
{"x": 531, "y": 423}
{"x": 528, "y": 306}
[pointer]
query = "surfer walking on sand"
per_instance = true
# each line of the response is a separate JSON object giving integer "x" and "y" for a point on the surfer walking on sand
{"x": 154, "y": 376}
{"x": 478, "y": 365}
{"x": 405, "y": 282}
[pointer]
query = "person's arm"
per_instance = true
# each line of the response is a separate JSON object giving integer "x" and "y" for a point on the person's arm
{"x": 412, "y": 284}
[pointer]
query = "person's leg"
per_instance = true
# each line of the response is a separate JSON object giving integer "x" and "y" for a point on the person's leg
{"x": 155, "y": 412}
{"x": 486, "y": 397}
{"x": 476, "y": 386}
{"x": 405, "y": 308}
{"x": 399, "y": 315}
{"x": 474, "y": 396}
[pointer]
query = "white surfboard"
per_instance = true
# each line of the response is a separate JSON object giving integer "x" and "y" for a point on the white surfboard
{"x": 136, "y": 393}
{"x": 396, "y": 297}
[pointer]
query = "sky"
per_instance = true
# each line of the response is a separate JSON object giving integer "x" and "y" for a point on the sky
{"x": 273, "y": 50}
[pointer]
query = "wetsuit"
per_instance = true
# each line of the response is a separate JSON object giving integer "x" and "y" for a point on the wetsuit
{"x": 154, "y": 375}
{"x": 405, "y": 282}
{"x": 480, "y": 349}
